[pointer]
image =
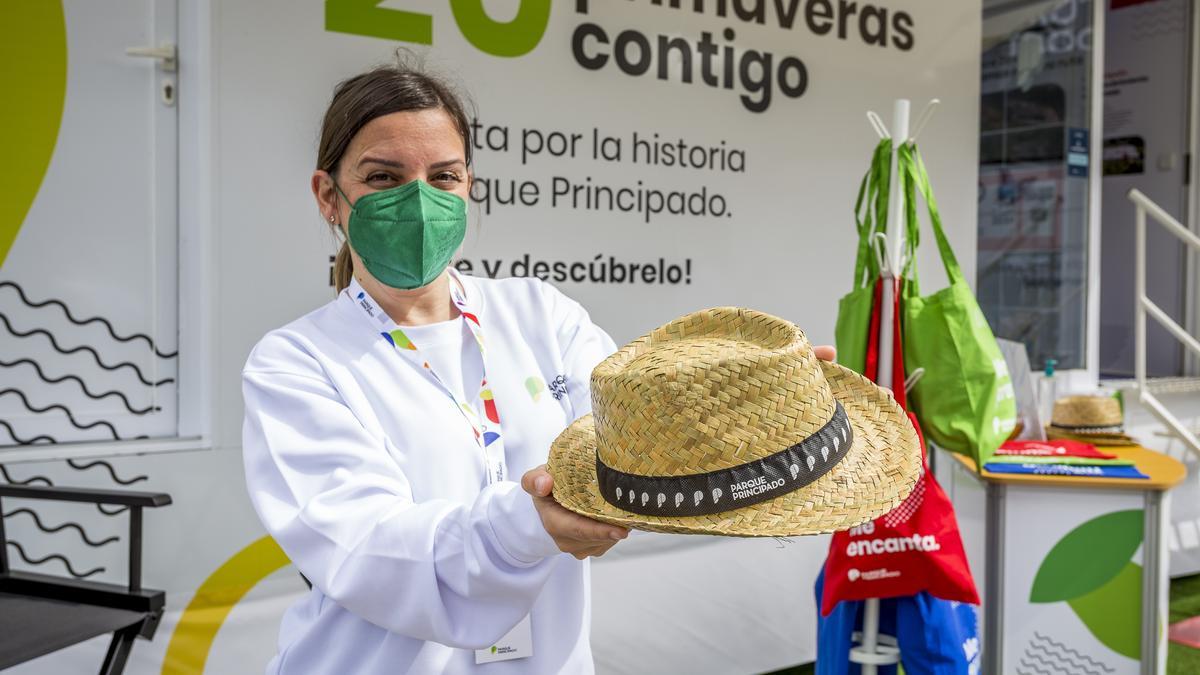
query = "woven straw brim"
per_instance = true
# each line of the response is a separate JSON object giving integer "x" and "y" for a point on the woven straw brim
{"x": 1102, "y": 438}
{"x": 877, "y": 473}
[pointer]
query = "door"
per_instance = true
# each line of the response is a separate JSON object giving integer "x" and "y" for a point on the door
{"x": 88, "y": 226}
{"x": 1145, "y": 147}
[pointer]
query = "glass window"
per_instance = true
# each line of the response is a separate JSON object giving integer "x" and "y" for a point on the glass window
{"x": 1035, "y": 113}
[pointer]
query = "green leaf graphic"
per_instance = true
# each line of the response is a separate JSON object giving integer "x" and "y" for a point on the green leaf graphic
{"x": 1088, "y": 557}
{"x": 1113, "y": 612}
{"x": 33, "y": 49}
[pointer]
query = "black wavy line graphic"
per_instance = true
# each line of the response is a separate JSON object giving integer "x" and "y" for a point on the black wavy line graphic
{"x": 10, "y": 480}
{"x": 58, "y": 406}
{"x": 83, "y": 348}
{"x": 1063, "y": 648}
{"x": 54, "y": 556}
{"x": 70, "y": 317}
{"x": 26, "y": 441}
{"x": 111, "y": 471}
{"x": 1057, "y": 656}
{"x": 69, "y": 524}
{"x": 49, "y": 440}
{"x": 114, "y": 512}
{"x": 1054, "y": 666}
{"x": 82, "y": 385}
{"x": 1035, "y": 668}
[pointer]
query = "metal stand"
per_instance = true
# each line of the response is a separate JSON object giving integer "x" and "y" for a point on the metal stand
{"x": 881, "y": 650}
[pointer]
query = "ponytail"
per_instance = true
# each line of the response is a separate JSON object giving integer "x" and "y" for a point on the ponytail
{"x": 343, "y": 268}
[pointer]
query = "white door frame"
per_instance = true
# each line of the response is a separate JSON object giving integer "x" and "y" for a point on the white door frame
{"x": 1091, "y": 375}
{"x": 1191, "y": 294}
{"x": 197, "y": 218}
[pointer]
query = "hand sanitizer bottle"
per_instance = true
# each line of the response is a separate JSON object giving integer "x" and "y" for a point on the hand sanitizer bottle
{"x": 1047, "y": 392}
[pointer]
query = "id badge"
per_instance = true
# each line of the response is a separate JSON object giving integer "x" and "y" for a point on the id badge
{"x": 516, "y": 644}
{"x": 497, "y": 471}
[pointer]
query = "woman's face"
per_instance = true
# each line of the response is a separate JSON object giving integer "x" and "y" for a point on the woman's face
{"x": 393, "y": 150}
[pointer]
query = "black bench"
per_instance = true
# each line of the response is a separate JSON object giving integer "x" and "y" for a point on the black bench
{"x": 40, "y": 613}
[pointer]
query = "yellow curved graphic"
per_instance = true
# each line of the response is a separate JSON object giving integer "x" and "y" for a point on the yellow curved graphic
{"x": 194, "y": 634}
{"x": 33, "y": 49}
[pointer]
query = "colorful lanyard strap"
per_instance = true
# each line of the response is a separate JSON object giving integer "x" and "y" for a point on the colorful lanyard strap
{"x": 483, "y": 416}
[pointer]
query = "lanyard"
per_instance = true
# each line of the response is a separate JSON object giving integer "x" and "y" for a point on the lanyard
{"x": 481, "y": 413}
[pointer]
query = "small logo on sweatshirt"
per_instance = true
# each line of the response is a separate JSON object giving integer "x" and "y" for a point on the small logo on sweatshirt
{"x": 558, "y": 387}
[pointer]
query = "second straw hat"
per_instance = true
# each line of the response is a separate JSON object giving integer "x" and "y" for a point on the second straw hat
{"x": 725, "y": 422}
{"x": 1091, "y": 419}
{"x": 1088, "y": 414}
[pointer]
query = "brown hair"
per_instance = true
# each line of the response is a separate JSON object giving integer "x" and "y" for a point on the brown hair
{"x": 381, "y": 91}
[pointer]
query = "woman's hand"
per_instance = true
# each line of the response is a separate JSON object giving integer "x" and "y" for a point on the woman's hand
{"x": 573, "y": 533}
{"x": 825, "y": 352}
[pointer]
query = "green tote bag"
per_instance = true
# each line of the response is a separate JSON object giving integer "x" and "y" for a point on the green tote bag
{"x": 854, "y": 309}
{"x": 965, "y": 400}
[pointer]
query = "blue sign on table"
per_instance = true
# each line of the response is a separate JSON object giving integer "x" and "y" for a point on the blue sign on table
{"x": 1067, "y": 470}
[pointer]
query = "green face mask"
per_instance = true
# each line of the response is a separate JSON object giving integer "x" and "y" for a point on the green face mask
{"x": 406, "y": 235}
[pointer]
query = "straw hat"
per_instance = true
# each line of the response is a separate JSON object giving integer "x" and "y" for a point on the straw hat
{"x": 724, "y": 422}
{"x": 1091, "y": 419}
{"x": 1087, "y": 414}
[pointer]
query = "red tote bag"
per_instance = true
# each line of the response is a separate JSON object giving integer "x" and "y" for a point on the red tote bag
{"x": 912, "y": 548}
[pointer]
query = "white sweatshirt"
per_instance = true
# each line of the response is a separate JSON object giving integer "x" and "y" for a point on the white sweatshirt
{"x": 372, "y": 482}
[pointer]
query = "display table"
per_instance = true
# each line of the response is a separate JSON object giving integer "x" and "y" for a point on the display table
{"x": 1066, "y": 562}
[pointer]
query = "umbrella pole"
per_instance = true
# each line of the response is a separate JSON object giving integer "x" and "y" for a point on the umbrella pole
{"x": 869, "y": 654}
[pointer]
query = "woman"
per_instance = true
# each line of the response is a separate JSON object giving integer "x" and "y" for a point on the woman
{"x": 382, "y": 429}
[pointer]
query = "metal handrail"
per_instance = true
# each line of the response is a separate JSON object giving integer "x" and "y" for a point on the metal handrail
{"x": 1144, "y": 205}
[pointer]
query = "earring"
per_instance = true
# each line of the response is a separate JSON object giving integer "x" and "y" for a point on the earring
{"x": 331, "y": 219}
